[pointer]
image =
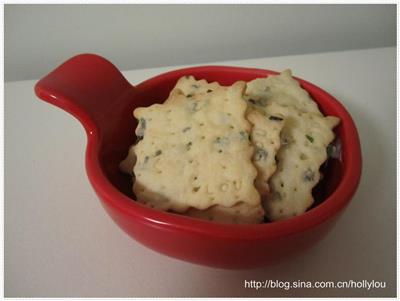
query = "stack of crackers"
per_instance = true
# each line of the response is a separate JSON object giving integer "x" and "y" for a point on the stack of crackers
{"x": 230, "y": 154}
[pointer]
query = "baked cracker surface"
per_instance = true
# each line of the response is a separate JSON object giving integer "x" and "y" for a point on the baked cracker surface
{"x": 195, "y": 152}
{"x": 282, "y": 89}
{"x": 305, "y": 137}
{"x": 265, "y": 136}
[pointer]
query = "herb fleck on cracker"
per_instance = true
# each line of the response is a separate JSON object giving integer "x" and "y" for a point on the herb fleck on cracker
{"x": 138, "y": 138}
{"x": 260, "y": 102}
{"x": 330, "y": 150}
{"x": 275, "y": 118}
{"x": 244, "y": 136}
{"x": 194, "y": 107}
{"x": 309, "y": 175}
{"x": 141, "y": 128}
{"x": 260, "y": 154}
{"x": 142, "y": 123}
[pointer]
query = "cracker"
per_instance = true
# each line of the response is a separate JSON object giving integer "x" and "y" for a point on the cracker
{"x": 282, "y": 89}
{"x": 265, "y": 135}
{"x": 240, "y": 213}
{"x": 305, "y": 138}
{"x": 190, "y": 86}
{"x": 195, "y": 152}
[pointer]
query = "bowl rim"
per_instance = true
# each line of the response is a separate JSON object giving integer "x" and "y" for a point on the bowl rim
{"x": 330, "y": 207}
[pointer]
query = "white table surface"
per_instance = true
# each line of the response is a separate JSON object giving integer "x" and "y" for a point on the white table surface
{"x": 59, "y": 241}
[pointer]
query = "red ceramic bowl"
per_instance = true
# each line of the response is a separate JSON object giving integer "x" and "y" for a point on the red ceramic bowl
{"x": 94, "y": 91}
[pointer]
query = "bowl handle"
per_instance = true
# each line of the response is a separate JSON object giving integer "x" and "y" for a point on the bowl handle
{"x": 85, "y": 86}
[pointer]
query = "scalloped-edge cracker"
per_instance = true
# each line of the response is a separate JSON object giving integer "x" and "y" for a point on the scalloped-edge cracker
{"x": 282, "y": 89}
{"x": 195, "y": 152}
{"x": 305, "y": 137}
{"x": 265, "y": 135}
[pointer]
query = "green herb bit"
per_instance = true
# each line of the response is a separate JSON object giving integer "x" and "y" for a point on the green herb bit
{"x": 138, "y": 138}
{"x": 275, "y": 118}
{"x": 308, "y": 175}
{"x": 209, "y": 91}
{"x": 194, "y": 107}
{"x": 260, "y": 154}
{"x": 142, "y": 123}
{"x": 311, "y": 139}
{"x": 285, "y": 141}
{"x": 330, "y": 150}
{"x": 188, "y": 145}
{"x": 159, "y": 152}
{"x": 221, "y": 141}
{"x": 244, "y": 136}
{"x": 146, "y": 159}
{"x": 186, "y": 129}
{"x": 277, "y": 195}
{"x": 260, "y": 102}
{"x": 141, "y": 128}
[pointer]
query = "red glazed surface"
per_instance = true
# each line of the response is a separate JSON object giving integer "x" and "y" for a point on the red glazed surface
{"x": 95, "y": 92}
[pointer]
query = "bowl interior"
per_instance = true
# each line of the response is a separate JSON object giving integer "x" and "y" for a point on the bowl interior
{"x": 119, "y": 134}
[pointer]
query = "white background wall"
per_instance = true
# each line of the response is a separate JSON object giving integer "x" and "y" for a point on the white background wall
{"x": 40, "y": 37}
